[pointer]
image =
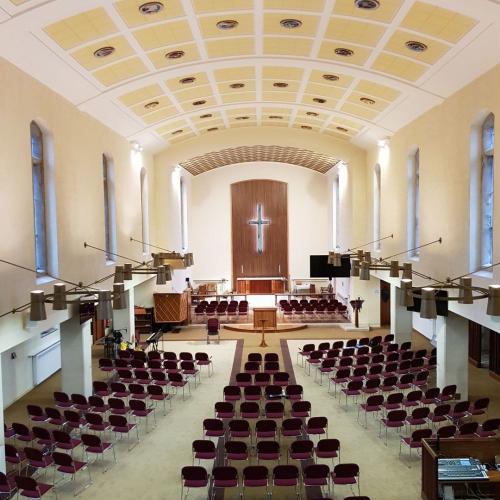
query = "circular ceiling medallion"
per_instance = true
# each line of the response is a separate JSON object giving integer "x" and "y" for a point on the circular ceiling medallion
{"x": 321, "y": 101}
{"x": 209, "y": 115}
{"x": 342, "y": 129}
{"x": 198, "y": 103}
{"x": 416, "y": 46}
{"x": 344, "y": 52}
{"x": 237, "y": 85}
{"x": 331, "y": 78}
{"x": 367, "y": 4}
{"x": 276, "y": 117}
{"x": 306, "y": 127}
{"x": 227, "y": 24}
{"x": 104, "y": 52}
{"x": 366, "y": 100}
{"x": 242, "y": 117}
{"x": 212, "y": 129}
{"x": 280, "y": 85}
{"x": 150, "y": 8}
{"x": 189, "y": 79}
{"x": 177, "y": 132}
{"x": 312, "y": 113}
{"x": 151, "y": 104}
{"x": 176, "y": 54}
{"x": 291, "y": 23}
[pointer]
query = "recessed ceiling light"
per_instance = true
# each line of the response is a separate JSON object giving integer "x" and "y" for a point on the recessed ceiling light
{"x": 177, "y": 132}
{"x": 366, "y": 100}
{"x": 104, "y": 52}
{"x": 209, "y": 115}
{"x": 306, "y": 127}
{"x": 321, "y": 101}
{"x": 416, "y": 46}
{"x": 227, "y": 24}
{"x": 291, "y": 23}
{"x": 312, "y": 113}
{"x": 212, "y": 129}
{"x": 280, "y": 85}
{"x": 150, "y": 8}
{"x": 237, "y": 85}
{"x": 151, "y": 104}
{"x": 198, "y": 103}
{"x": 189, "y": 79}
{"x": 331, "y": 78}
{"x": 176, "y": 54}
{"x": 342, "y": 129}
{"x": 276, "y": 117}
{"x": 242, "y": 117}
{"x": 367, "y": 4}
{"x": 344, "y": 52}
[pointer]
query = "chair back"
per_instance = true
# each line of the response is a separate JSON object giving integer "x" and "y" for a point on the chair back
{"x": 375, "y": 400}
{"x": 94, "y": 418}
{"x": 61, "y": 437}
{"x": 268, "y": 447}
{"x": 395, "y": 398}
{"x": 396, "y": 416}
{"x": 449, "y": 390}
{"x": 240, "y": 425}
{"x": 28, "y": 484}
{"x": 346, "y": 470}
{"x": 225, "y": 473}
{"x": 328, "y": 445}
{"x": 303, "y": 446}
{"x": 266, "y": 426}
{"x": 41, "y": 433}
{"x": 213, "y": 424}
{"x": 442, "y": 410}
{"x": 255, "y": 473}
{"x": 291, "y": 424}
{"x": 53, "y": 413}
{"x": 316, "y": 471}
{"x": 317, "y": 423}
{"x": 446, "y": 431}
{"x": 91, "y": 440}
{"x": 137, "y": 405}
{"x": 63, "y": 459}
{"x": 155, "y": 390}
{"x": 34, "y": 410}
{"x": 33, "y": 454}
{"x": 212, "y": 325}
{"x": 203, "y": 446}
{"x": 481, "y": 403}
{"x": 239, "y": 447}
{"x": 20, "y": 429}
{"x": 194, "y": 473}
{"x": 468, "y": 428}
{"x": 461, "y": 406}
{"x": 420, "y": 412}
{"x": 118, "y": 421}
{"x": 419, "y": 434}
{"x": 491, "y": 424}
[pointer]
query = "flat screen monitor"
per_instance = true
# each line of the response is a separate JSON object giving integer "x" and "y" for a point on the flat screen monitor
{"x": 319, "y": 267}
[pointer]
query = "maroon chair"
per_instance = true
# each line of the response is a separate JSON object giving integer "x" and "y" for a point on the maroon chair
{"x": 252, "y": 367}
{"x": 139, "y": 410}
{"x": 249, "y": 409}
{"x": 467, "y": 430}
{"x": 373, "y": 405}
{"x": 30, "y": 488}
{"x": 345, "y": 474}
{"x": 65, "y": 464}
{"x": 231, "y": 393}
{"x": 252, "y": 393}
{"x": 446, "y": 431}
{"x": 245, "y": 379}
{"x": 317, "y": 476}
{"x": 224, "y": 409}
{"x": 301, "y": 409}
{"x": 418, "y": 417}
{"x": 286, "y": 476}
{"x": 301, "y": 450}
{"x": 414, "y": 442}
{"x": 36, "y": 414}
{"x": 265, "y": 429}
{"x": 23, "y": 433}
{"x": 96, "y": 423}
{"x": 170, "y": 356}
{"x": 316, "y": 426}
{"x": 176, "y": 380}
{"x": 37, "y": 460}
{"x": 119, "y": 390}
{"x": 291, "y": 427}
{"x": 340, "y": 378}
{"x": 137, "y": 391}
{"x": 7, "y": 485}
{"x": 64, "y": 441}
{"x": 120, "y": 425}
{"x": 43, "y": 437}
{"x": 371, "y": 387}
{"x": 420, "y": 380}
{"x": 459, "y": 411}
{"x": 14, "y": 457}
{"x": 117, "y": 406}
{"x": 271, "y": 392}
{"x": 55, "y": 417}
{"x": 156, "y": 394}
{"x": 413, "y": 398}
{"x": 98, "y": 404}
{"x": 153, "y": 355}
{"x": 239, "y": 429}
{"x": 203, "y": 450}
{"x": 271, "y": 367}
{"x": 430, "y": 395}
{"x": 393, "y": 402}
{"x": 282, "y": 379}
{"x": 274, "y": 409}
{"x": 447, "y": 394}
{"x": 203, "y": 359}
{"x": 101, "y": 389}
{"x": 395, "y": 420}
{"x": 480, "y": 407}
{"x": 93, "y": 444}
{"x": 62, "y": 400}
{"x": 294, "y": 392}
{"x": 352, "y": 390}
{"x": 268, "y": 450}
{"x": 327, "y": 449}
{"x": 236, "y": 450}
{"x": 189, "y": 370}
{"x": 224, "y": 477}
{"x": 80, "y": 402}
{"x": 304, "y": 353}
{"x": 213, "y": 427}
{"x": 213, "y": 328}
{"x": 489, "y": 428}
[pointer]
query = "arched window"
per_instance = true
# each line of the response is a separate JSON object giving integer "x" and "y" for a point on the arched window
{"x": 336, "y": 211}
{"x": 413, "y": 222}
{"x": 109, "y": 208}
{"x": 44, "y": 199}
{"x": 376, "y": 207}
{"x": 183, "y": 202}
{"x": 145, "y": 210}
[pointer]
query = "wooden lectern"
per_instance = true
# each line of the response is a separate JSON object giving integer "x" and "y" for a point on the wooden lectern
{"x": 264, "y": 317}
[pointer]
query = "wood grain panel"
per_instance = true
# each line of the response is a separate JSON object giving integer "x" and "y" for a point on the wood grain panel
{"x": 475, "y": 344}
{"x": 273, "y": 261}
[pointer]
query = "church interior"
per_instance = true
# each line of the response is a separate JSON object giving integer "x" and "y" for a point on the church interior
{"x": 236, "y": 179}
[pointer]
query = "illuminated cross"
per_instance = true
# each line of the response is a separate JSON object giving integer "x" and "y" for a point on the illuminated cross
{"x": 259, "y": 223}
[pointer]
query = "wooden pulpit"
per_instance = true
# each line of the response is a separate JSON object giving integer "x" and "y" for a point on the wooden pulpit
{"x": 266, "y": 315}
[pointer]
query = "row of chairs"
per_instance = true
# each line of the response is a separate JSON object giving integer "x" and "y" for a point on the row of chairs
{"x": 234, "y": 394}
{"x": 313, "y": 312}
{"x": 298, "y": 409}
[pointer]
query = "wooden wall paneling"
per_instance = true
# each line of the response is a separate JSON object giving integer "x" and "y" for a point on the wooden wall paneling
{"x": 495, "y": 355}
{"x": 273, "y": 261}
{"x": 475, "y": 344}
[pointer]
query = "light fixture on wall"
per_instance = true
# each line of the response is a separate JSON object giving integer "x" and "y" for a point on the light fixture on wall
{"x": 136, "y": 145}
{"x": 169, "y": 257}
{"x": 382, "y": 143}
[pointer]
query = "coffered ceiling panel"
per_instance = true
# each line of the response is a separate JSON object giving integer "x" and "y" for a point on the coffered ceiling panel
{"x": 204, "y": 6}
{"x": 174, "y": 55}
{"x": 344, "y": 52}
{"x": 129, "y": 11}
{"x": 164, "y": 34}
{"x": 385, "y": 13}
{"x": 433, "y": 50}
{"x": 120, "y": 71}
{"x": 226, "y": 47}
{"x": 209, "y": 29}
{"x": 399, "y": 66}
{"x": 142, "y": 94}
{"x": 308, "y": 27}
{"x": 278, "y": 45}
{"x": 349, "y": 30}
{"x": 193, "y": 80}
{"x": 86, "y": 56}
{"x": 310, "y": 5}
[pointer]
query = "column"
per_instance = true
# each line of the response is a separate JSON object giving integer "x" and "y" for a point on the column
{"x": 401, "y": 318}
{"x": 124, "y": 318}
{"x": 76, "y": 357}
{"x": 2, "y": 438}
{"x": 453, "y": 353}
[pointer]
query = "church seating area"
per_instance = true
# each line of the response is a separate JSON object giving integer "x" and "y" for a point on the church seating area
{"x": 224, "y": 311}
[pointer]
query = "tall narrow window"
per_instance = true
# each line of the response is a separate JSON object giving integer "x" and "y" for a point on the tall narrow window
{"x": 109, "y": 208}
{"x": 416, "y": 215}
{"x": 39, "y": 198}
{"x": 376, "y": 207}
{"x": 413, "y": 221}
{"x": 183, "y": 207}
{"x": 488, "y": 144}
{"x": 336, "y": 212}
{"x": 145, "y": 211}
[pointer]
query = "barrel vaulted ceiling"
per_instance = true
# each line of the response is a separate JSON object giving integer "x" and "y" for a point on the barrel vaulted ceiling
{"x": 164, "y": 72}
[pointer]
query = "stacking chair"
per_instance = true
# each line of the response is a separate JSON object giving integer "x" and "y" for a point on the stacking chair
{"x": 245, "y": 379}
{"x": 213, "y": 428}
{"x": 275, "y": 410}
{"x": 341, "y": 378}
{"x": 414, "y": 442}
{"x": 43, "y": 437}
{"x": 393, "y": 402}
{"x": 294, "y": 392}
{"x": 213, "y": 328}
{"x": 301, "y": 409}
{"x": 203, "y": 359}
{"x": 176, "y": 380}
{"x": 7, "y": 485}
{"x": 480, "y": 407}
{"x": 430, "y": 395}
{"x": 412, "y": 399}
{"x": 120, "y": 425}
{"x": 316, "y": 426}
{"x": 286, "y": 476}
{"x": 291, "y": 427}
{"x": 93, "y": 444}
{"x": 117, "y": 406}
{"x": 54, "y": 417}
{"x": 63, "y": 441}
{"x": 418, "y": 416}
{"x": 65, "y": 464}
{"x": 231, "y": 393}
{"x": 317, "y": 476}
{"x": 239, "y": 429}
{"x": 304, "y": 353}
{"x": 327, "y": 366}
{"x": 265, "y": 429}
{"x": 96, "y": 423}
{"x": 327, "y": 448}
{"x": 301, "y": 450}
{"x": 373, "y": 405}
{"x": 80, "y": 402}
{"x": 224, "y": 409}
{"x": 395, "y": 420}
{"x": 467, "y": 430}
{"x": 271, "y": 367}
{"x": 98, "y": 405}
{"x": 14, "y": 457}
{"x": 249, "y": 409}
{"x": 252, "y": 393}
{"x": 101, "y": 389}
{"x": 345, "y": 474}
{"x": 352, "y": 390}
{"x": 194, "y": 477}
{"x": 36, "y": 414}
{"x": 189, "y": 370}
{"x": 446, "y": 431}
{"x": 447, "y": 394}
{"x": 271, "y": 392}
{"x": 236, "y": 450}
{"x": 23, "y": 433}
{"x": 459, "y": 411}
{"x": 203, "y": 449}
{"x": 139, "y": 410}
{"x": 489, "y": 428}
{"x": 30, "y": 488}
{"x": 156, "y": 394}
{"x": 62, "y": 400}
{"x": 268, "y": 450}
{"x": 224, "y": 477}
{"x": 281, "y": 379}
{"x": 260, "y": 379}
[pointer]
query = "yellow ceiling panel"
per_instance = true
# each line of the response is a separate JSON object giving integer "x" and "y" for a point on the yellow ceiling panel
{"x": 306, "y": 128}
{"x": 194, "y": 93}
{"x": 398, "y": 66}
{"x": 309, "y": 100}
{"x": 385, "y": 13}
{"x": 236, "y": 74}
{"x": 206, "y": 116}
{"x": 141, "y": 109}
{"x": 244, "y": 123}
{"x": 303, "y": 115}
{"x": 87, "y": 59}
{"x": 272, "y": 24}
{"x": 191, "y": 106}
{"x": 129, "y": 10}
{"x": 81, "y": 28}
{"x": 286, "y": 46}
{"x": 210, "y": 124}
{"x": 175, "y": 83}
{"x": 238, "y": 118}
{"x": 377, "y": 90}
{"x": 238, "y": 97}
{"x": 340, "y": 28}
{"x": 171, "y": 127}
{"x": 343, "y": 81}
{"x": 276, "y": 110}
{"x": 274, "y": 123}
{"x": 208, "y": 25}
{"x": 334, "y": 126}
{"x": 278, "y": 73}
{"x": 353, "y": 109}
{"x": 164, "y": 34}
{"x": 337, "y": 135}
{"x": 310, "y": 5}
{"x": 348, "y": 123}
{"x": 327, "y": 51}
{"x": 378, "y": 105}
{"x": 190, "y": 54}
{"x": 19, "y": 2}
{"x": 230, "y": 47}
{"x": 325, "y": 90}
{"x": 436, "y": 21}
{"x": 249, "y": 86}
{"x": 180, "y": 137}
{"x": 279, "y": 96}
{"x": 309, "y": 121}
{"x": 140, "y": 95}
{"x": 161, "y": 114}
{"x": 204, "y": 6}
{"x": 211, "y": 130}
{"x": 435, "y": 50}
{"x": 120, "y": 71}
{"x": 268, "y": 85}
{"x": 232, "y": 113}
